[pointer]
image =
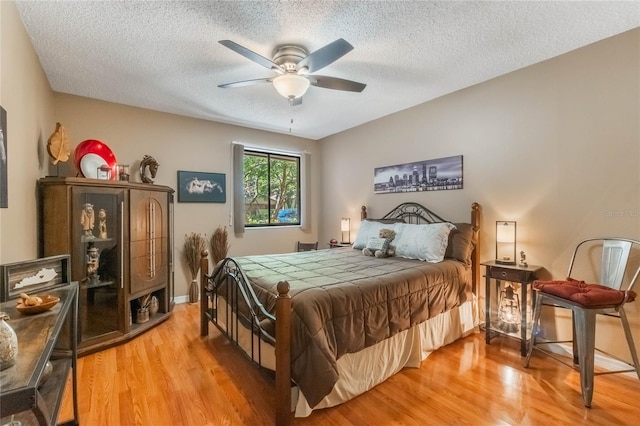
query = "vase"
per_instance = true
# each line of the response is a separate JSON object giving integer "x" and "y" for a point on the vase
{"x": 8, "y": 343}
{"x": 193, "y": 292}
{"x": 142, "y": 315}
{"x": 153, "y": 306}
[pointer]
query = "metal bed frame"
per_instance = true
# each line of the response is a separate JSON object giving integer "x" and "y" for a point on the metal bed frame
{"x": 251, "y": 314}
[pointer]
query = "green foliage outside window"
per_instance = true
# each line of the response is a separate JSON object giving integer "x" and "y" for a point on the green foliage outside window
{"x": 271, "y": 189}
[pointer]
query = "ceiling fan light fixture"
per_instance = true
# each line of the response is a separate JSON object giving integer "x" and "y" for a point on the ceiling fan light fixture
{"x": 291, "y": 86}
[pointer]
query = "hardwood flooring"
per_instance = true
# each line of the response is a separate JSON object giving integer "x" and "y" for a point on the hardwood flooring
{"x": 171, "y": 376}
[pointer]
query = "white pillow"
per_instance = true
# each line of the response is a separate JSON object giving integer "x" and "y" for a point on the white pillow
{"x": 369, "y": 229}
{"x": 424, "y": 242}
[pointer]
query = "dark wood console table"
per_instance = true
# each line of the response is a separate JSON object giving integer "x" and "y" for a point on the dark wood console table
{"x": 48, "y": 336}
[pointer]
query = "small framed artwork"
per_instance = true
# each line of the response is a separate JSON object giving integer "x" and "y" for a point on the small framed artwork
{"x": 33, "y": 276}
{"x": 201, "y": 187}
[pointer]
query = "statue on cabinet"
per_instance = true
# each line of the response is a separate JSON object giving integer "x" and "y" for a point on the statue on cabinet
{"x": 87, "y": 220}
{"x": 93, "y": 261}
{"x": 150, "y": 163}
{"x": 102, "y": 224}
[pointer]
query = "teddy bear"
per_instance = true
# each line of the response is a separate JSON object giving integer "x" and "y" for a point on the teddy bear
{"x": 381, "y": 246}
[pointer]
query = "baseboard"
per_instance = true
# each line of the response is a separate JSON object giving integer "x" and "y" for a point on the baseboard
{"x": 181, "y": 299}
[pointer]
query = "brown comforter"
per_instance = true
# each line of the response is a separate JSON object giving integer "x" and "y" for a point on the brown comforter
{"x": 344, "y": 301}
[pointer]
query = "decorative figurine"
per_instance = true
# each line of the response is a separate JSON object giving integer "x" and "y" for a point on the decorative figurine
{"x": 152, "y": 164}
{"x": 102, "y": 224}
{"x": 523, "y": 260}
{"x": 58, "y": 145}
{"x": 87, "y": 220}
{"x": 93, "y": 260}
{"x": 123, "y": 172}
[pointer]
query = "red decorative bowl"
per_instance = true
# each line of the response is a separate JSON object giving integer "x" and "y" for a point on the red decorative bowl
{"x": 92, "y": 155}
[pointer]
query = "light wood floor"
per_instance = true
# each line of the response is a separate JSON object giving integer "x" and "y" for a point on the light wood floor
{"x": 172, "y": 376}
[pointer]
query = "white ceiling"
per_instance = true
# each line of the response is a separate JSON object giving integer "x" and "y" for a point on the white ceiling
{"x": 165, "y": 55}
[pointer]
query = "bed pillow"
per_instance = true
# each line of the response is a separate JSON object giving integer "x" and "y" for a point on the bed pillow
{"x": 462, "y": 241}
{"x": 424, "y": 242}
{"x": 369, "y": 229}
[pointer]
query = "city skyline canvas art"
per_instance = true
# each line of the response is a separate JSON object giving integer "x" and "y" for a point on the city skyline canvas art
{"x": 429, "y": 175}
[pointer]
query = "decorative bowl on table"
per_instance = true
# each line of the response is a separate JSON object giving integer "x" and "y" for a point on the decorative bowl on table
{"x": 48, "y": 302}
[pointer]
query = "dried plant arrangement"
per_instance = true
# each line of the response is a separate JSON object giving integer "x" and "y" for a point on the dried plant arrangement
{"x": 142, "y": 314}
{"x": 219, "y": 244}
{"x": 194, "y": 244}
{"x": 144, "y": 301}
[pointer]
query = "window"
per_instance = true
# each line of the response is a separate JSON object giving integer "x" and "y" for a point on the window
{"x": 271, "y": 189}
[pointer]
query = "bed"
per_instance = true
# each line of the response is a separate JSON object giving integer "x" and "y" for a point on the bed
{"x": 334, "y": 323}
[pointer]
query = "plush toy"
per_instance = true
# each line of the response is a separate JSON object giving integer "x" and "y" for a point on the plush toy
{"x": 381, "y": 246}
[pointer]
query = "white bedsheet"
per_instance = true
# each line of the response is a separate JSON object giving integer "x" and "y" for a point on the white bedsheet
{"x": 362, "y": 371}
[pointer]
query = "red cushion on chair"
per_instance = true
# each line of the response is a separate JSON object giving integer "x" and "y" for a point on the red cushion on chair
{"x": 586, "y": 295}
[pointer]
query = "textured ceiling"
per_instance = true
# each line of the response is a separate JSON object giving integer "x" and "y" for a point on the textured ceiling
{"x": 165, "y": 55}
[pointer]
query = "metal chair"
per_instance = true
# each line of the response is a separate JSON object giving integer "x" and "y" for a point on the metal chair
{"x": 307, "y": 246}
{"x": 615, "y": 264}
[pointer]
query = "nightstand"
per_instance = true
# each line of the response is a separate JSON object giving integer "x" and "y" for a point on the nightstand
{"x": 508, "y": 303}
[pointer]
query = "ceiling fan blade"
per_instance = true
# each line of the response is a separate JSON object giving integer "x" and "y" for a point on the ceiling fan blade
{"x": 245, "y": 83}
{"x": 325, "y": 55}
{"x": 335, "y": 83}
{"x": 251, "y": 55}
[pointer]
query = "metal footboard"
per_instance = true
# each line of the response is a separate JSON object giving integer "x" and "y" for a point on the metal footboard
{"x": 228, "y": 284}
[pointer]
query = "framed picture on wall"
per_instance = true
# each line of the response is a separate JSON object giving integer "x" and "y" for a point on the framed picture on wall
{"x": 428, "y": 175}
{"x": 4, "y": 187}
{"x": 201, "y": 187}
{"x": 33, "y": 276}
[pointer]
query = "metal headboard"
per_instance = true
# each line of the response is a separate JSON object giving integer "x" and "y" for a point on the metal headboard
{"x": 412, "y": 213}
{"x": 417, "y": 213}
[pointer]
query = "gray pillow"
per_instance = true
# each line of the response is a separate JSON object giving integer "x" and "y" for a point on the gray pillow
{"x": 462, "y": 241}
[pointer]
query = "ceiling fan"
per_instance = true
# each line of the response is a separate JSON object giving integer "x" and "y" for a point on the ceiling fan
{"x": 294, "y": 66}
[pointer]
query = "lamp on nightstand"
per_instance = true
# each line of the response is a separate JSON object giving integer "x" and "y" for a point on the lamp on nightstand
{"x": 345, "y": 226}
{"x": 509, "y": 310}
{"x": 506, "y": 242}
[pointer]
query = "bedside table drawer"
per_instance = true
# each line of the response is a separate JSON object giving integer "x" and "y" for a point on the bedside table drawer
{"x": 508, "y": 274}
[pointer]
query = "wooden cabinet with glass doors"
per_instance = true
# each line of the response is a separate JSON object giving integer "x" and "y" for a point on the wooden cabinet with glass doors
{"x": 118, "y": 236}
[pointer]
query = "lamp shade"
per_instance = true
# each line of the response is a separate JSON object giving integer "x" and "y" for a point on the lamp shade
{"x": 506, "y": 242}
{"x": 345, "y": 227}
{"x": 291, "y": 86}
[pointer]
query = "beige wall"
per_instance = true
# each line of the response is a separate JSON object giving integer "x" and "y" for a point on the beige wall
{"x": 178, "y": 143}
{"x": 27, "y": 97}
{"x": 181, "y": 143}
{"x": 554, "y": 146}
